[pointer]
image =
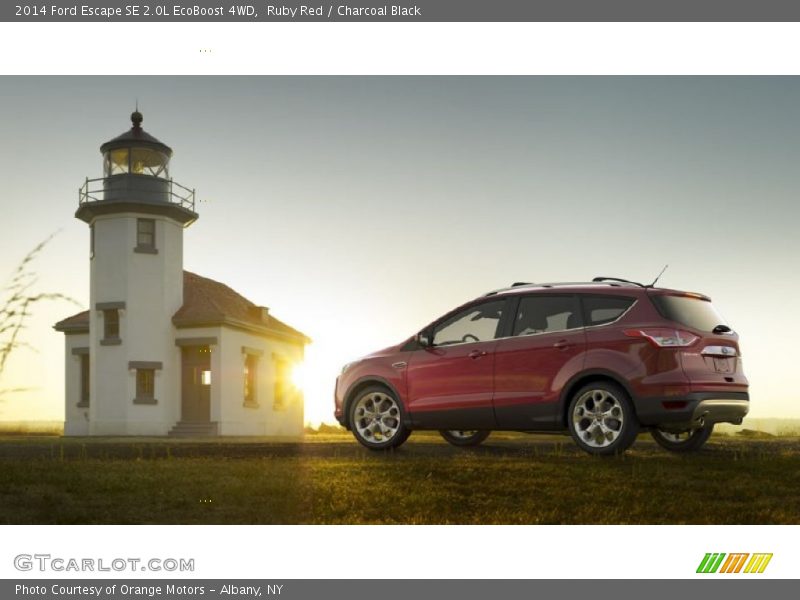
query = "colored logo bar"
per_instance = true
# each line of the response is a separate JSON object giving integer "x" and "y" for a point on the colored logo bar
{"x": 737, "y": 562}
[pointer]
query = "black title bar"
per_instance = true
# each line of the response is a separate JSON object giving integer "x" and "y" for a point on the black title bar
{"x": 346, "y": 589}
{"x": 402, "y": 10}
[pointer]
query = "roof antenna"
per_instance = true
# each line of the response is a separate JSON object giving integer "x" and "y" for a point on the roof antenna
{"x": 658, "y": 277}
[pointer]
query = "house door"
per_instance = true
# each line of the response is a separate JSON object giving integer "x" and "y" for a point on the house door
{"x": 196, "y": 384}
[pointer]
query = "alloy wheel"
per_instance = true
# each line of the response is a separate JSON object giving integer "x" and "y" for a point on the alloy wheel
{"x": 598, "y": 418}
{"x": 376, "y": 417}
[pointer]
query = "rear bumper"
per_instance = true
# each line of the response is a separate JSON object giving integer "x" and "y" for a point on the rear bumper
{"x": 693, "y": 409}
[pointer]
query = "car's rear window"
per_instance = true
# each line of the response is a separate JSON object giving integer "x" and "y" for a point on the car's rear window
{"x": 692, "y": 312}
{"x": 600, "y": 310}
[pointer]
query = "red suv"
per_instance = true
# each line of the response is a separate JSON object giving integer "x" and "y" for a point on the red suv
{"x": 601, "y": 360}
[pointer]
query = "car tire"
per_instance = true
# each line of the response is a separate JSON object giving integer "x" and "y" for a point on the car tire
{"x": 464, "y": 437}
{"x": 601, "y": 419}
{"x": 376, "y": 419}
{"x": 686, "y": 441}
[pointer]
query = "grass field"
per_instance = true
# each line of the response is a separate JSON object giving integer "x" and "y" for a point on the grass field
{"x": 511, "y": 479}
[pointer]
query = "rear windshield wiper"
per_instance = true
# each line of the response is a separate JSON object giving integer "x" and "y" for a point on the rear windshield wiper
{"x": 721, "y": 329}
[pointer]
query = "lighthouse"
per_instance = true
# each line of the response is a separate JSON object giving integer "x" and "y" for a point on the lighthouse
{"x": 136, "y": 216}
{"x": 161, "y": 350}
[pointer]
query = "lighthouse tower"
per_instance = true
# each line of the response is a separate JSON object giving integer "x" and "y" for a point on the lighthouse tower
{"x": 136, "y": 215}
{"x": 162, "y": 351}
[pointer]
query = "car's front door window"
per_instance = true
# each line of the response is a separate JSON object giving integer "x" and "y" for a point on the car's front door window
{"x": 478, "y": 323}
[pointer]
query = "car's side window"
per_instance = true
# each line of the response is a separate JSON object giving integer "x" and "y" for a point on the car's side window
{"x": 546, "y": 313}
{"x": 600, "y": 310}
{"x": 478, "y": 323}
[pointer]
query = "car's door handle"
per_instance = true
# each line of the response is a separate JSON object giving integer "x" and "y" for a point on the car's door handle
{"x": 477, "y": 353}
{"x": 563, "y": 344}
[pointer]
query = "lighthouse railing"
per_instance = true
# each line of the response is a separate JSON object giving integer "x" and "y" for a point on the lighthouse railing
{"x": 172, "y": 192}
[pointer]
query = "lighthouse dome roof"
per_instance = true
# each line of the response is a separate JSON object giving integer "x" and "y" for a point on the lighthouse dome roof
{"x": 136, "y": 136}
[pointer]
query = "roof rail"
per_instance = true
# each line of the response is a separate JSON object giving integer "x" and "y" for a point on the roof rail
{"x": 512, "y": 286}
{"x": 614, "y": 281}
{"x": 617, "y": 279}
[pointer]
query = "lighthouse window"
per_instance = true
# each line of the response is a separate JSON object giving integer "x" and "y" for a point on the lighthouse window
{"x": 145, "y": 235}
{"x": 148, "y": 162}
{"x": 111, "y": 324}
{"x": 117, "y": 162}
{"x": 145, "y": 385}
{"x": 139, "y": 161}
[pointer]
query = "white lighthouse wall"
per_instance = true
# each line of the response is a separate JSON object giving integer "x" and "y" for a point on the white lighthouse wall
{"x": 76, "y": 418}
{"x": 263, "y": 418}
{"x": 151, "y": 288}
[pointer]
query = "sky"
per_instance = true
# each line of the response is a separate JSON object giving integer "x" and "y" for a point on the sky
{"x": 359, "y": 209}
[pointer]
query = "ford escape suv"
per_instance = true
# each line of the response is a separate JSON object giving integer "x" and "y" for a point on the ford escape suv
{"x": 601, "y": 360}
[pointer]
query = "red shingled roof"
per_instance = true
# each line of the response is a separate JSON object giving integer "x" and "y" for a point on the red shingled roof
{"x": 208, "y": 303}
{"x": 75, "y": 324}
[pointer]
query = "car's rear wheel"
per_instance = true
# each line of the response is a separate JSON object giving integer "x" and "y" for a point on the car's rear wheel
{"x": 601, "y": 419}
{"x": 464, "y": 437}
{"x": 684, "y": 441}
{"x": 376, "y": 419}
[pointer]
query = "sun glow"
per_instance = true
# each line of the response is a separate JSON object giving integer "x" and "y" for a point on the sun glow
{"x": 298, "y": 376}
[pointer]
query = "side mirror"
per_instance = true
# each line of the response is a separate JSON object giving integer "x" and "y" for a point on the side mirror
{"x": 424, "y": 339}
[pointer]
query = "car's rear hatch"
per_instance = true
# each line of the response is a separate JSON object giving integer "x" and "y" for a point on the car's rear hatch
{"x": 714, "y": 360}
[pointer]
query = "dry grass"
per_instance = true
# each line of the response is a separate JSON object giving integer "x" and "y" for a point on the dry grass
{"x": 31, "y": 428}
{"x": 512, "y": 479}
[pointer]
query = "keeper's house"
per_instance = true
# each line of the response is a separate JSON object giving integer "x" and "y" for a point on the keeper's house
{"x": 163, "y": 351}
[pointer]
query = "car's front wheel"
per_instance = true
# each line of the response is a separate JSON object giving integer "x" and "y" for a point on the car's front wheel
{"x": 464, "y": 437}
{"x": 683, "y": 441}
{"x": 376, "y": 419}
{"x": 601, "y": 419}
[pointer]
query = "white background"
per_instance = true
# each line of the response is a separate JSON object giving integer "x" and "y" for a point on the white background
{"x": 381, "y": 48}
{"x": 398, "y": 48}
{"x": 428, "y": 552}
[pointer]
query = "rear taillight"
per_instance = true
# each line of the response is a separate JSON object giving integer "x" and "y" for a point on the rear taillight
{"x": 664, "y": 338}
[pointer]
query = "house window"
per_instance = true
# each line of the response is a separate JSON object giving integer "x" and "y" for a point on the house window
{"x": 84, "y": 397}
{"x": 145, "y": 236}
{"x": 250, "y": 370}
{"x": 145, "y": 386}
{"x": 281, "y": 383}
{"x": 91, "y": 241}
